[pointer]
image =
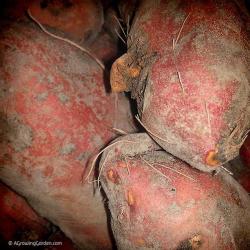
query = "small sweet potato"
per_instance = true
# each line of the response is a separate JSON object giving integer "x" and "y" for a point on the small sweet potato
{"x": 187, "y": 65}
{"x": 159, "y": 202}
{"x": 80, "y": 20}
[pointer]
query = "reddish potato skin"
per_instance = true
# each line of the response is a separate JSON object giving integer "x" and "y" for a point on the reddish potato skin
{"x": 55, "y": 114}
{"x": 193, "y": 94}
{"x": 245, "y": 152}
{"x": 151, "y": 211}
{"x": 18, "y": 219}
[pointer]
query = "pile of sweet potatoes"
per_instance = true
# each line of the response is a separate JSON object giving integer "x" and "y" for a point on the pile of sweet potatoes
{"x": 186, "y": 64}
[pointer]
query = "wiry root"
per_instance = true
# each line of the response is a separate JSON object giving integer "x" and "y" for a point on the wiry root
{"x": 149, "y": 131}
{"x": 93, "y": 163}
{"x": 179, "y": 33}
{"x": 157, "y": 170}
{"x": 120, "y": 131}
{"x": 117, "y": 33}
{"x": 161, "y": 165}
{"x": 125, "y": 34}
{"x": 208, "y": 118}
{"x": 176, "y": 171}
{"x": 101, "y": 167}
{"x": 175, "y": 41}
{"x": 226, "y": 170}
{"x": 66, "y": 40}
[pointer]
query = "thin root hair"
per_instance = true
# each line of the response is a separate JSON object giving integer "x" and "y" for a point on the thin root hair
{"x": 66, "y": 40}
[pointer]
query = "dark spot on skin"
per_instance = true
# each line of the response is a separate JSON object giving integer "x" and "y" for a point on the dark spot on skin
{"x": 191, "y": 244}
{"x": 67, "y": 3}
{"x": 185, "y": 245}
{"x": 44, "y": 4}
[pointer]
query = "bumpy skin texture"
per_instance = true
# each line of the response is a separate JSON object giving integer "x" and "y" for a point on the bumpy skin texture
{"x": 55, "y": 114}
{"x": 171, "y": 205}
{"x": 187, "y": 65}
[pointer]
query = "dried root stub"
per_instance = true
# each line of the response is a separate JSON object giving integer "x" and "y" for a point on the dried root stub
{"x": 189, "y": 74}
{"x": 159, "y": 202}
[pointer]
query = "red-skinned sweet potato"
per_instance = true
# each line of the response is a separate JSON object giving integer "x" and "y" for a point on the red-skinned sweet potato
{"x": 80, "y": 20}
{"x": 187, "y": 65}
{"x": 55, "y": 113}
{"x": 18, "y": 219}
{"x": 159, "y": 202}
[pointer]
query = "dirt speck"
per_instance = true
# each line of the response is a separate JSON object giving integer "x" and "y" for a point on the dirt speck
{"x": 191, "y": 244}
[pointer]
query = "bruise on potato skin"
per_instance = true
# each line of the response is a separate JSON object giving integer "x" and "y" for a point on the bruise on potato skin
{"x": 79, "y": 20}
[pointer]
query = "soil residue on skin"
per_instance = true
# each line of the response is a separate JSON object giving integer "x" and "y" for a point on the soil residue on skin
{"x": 15, "y": 133}
{"x": 67, "y": 149}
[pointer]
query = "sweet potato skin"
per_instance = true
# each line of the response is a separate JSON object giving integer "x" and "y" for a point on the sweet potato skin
{"x": 170, "y": 206}
{"x": 192, "y": 89}
{"x": 18, "y": 219}
{"x": 245, "y": 152}
{"x": 80, "y": 20}
{"x": 54, "y": 115}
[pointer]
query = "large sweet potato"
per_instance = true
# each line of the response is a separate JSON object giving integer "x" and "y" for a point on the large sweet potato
{"x": 187, "y": 65}
{"x": 18, "y": 219}
{"x": 159, "y": 202}
{"x": 54, "y": 114}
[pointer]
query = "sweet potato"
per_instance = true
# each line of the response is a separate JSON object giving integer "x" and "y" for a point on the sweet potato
{"x": 80, "y": 20}
{"x": 54, "y": 114}
{"x": 244, "y": 180}
{"x": 18, "y": 219}
{"x": 187, "y": 65}
{"x": 159, "y": 202}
